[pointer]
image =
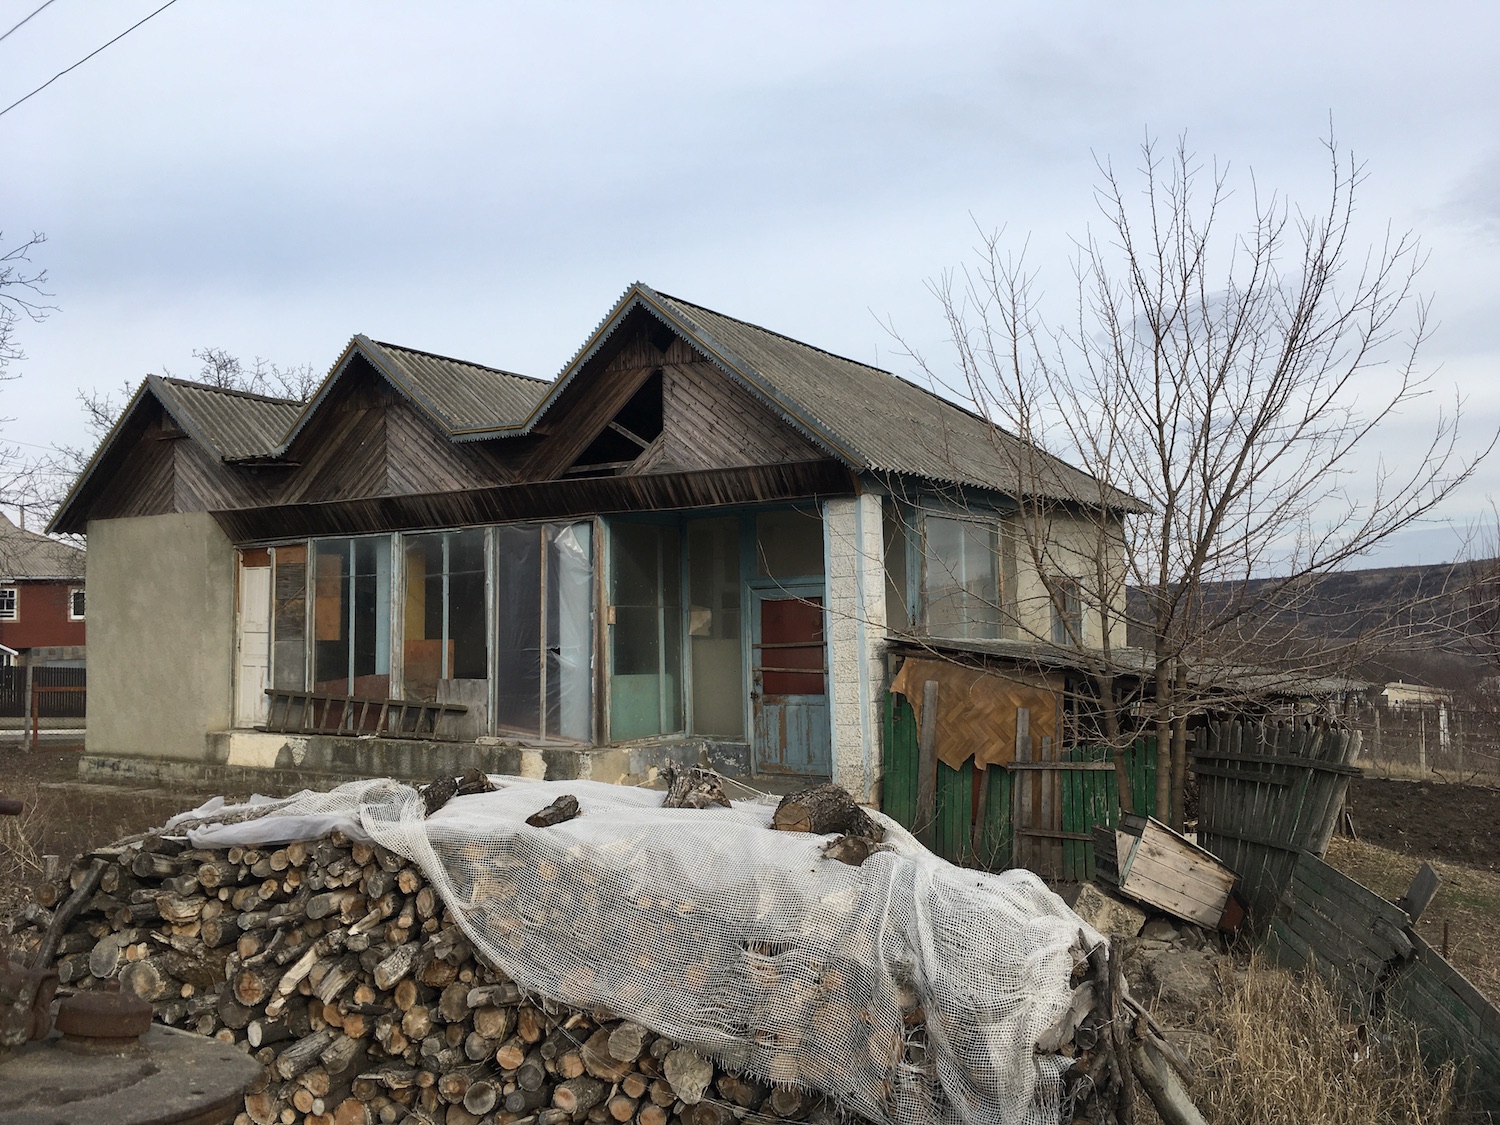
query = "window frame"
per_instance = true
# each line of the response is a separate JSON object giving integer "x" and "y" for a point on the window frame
{"x": 994, "y": 524}
{"x": 13, "y": 613}
{"x": 74, "y": 593}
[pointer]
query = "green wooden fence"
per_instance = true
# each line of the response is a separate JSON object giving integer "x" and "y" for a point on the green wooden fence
{"x": 973, "y": 815}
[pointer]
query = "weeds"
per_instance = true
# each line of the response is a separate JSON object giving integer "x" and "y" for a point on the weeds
{"x": 1288, "y": 1055}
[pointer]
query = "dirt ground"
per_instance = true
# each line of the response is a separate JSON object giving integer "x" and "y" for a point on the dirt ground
{"x": 1458, "y": 823}
{"x": 63, "y": 817}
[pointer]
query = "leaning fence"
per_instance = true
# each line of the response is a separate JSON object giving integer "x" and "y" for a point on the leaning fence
{"x": 1268, "y": 793}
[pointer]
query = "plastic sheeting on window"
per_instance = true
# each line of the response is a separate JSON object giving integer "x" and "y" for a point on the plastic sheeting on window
{"x": 544, "y": 632}
{"x": 570, "y": 631}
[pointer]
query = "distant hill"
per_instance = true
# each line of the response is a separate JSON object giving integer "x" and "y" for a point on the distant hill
{"x": 1404, "y": 622}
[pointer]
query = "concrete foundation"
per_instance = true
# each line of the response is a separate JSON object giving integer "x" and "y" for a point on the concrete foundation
{"x": 238, "y": 759}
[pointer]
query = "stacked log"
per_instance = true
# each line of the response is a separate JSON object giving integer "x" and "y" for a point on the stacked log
{"x": 336, "y": 965}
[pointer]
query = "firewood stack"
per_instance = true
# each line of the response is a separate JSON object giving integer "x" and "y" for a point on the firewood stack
{"x": 335, "y": 963}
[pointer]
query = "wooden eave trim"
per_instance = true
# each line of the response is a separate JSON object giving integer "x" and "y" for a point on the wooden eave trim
{"x": 541, "y": 500}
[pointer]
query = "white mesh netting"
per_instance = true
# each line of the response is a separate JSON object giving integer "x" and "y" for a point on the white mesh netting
{"x": 745, "y": 943}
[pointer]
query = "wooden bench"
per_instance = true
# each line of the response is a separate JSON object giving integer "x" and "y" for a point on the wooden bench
{"x": 311, "y": 712}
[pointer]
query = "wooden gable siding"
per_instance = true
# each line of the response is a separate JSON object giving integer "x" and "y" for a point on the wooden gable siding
{"x": 201, "y": 482}
{"x": 340, "y": 455}
{"x": 421, "y": 459}
{"x": 708, "y": 421}
{"x": 367, "y": 439}
{"x": 594, "y": 398}
{"x": 141, "y": 480}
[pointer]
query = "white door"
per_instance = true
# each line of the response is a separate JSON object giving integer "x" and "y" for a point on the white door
{"x": 253, "y": 661}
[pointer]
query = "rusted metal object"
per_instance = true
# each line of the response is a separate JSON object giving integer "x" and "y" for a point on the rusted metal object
{"x": 104, "y": 1020}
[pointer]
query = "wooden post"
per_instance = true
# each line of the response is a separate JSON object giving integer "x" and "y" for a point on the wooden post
{"x": 927, "y": 765}
{"x": 1021, "y": 795}
{"x": 30, "y": 704}
{"x": 1422, "y": 739}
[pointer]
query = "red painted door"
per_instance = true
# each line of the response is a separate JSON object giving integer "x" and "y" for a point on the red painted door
{"x": 789, "y": 688}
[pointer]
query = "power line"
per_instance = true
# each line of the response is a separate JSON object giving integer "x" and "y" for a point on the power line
{"x": 85, "y": 58}
{"x": 27, "y": 20}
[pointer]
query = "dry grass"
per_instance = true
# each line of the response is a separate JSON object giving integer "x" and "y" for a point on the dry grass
{"x": 1288, "y": 1056}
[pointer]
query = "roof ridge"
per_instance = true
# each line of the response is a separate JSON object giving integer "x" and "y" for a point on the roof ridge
{"x": 232, "y": 391}
{"x": 465, "y": 362}
{"x": 782, "y": 336}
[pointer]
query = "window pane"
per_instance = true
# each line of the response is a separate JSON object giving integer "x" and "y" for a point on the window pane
{"x": 714, "y": 628}
{"x": 422, "y": 651}
{"x": 570, "y": 631}
{"x": 646, "y": 637}
{"x": 961, "y": 581}
{"x": 789, "y": 544}
{"x": 289, "y": 618}
{"x": 466, "y": 627}
{"x": 445, "y": 637}
{"x": 331, "y": 616}
{"x": 352, "y": 616}
{"x": 518, "y": 630}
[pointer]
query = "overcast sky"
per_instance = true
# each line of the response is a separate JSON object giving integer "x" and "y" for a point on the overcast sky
{"x": 483, "y": 180}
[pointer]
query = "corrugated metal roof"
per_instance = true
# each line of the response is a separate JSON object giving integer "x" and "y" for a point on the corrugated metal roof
{"x": 235, "y": 425}
{"x": 882, "y": 422}
{"x": 464, "y": 396}
{"x": 25, "y": 554}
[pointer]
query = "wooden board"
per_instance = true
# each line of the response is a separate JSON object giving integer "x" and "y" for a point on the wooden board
{"x": 1163, "y": 870}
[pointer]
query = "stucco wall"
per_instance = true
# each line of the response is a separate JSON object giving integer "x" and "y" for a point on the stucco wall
{"x": 1069, "y": 546}
{"x": 855, "y": 562}
{"x": 161, "y": 634}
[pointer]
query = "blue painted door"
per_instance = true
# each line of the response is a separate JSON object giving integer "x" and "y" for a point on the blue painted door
{"x": 789, "y": 681}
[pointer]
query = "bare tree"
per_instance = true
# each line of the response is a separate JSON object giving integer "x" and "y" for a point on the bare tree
{"x": 1235, "y": 381}
{"x": 22, "y": 298}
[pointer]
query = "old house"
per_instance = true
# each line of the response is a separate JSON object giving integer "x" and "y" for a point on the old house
{"x": 696, "y": 539}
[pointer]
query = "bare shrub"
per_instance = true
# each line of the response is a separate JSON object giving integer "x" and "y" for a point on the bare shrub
{"x": 1289, "y": 1054}
{"x": 20, "y": 856}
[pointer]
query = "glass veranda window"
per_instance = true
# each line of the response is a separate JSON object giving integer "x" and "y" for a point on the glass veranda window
{"x": 645, "y": 686}
{"x": 544, "y": 630}
{"x": 444, "y": 638}
{"x": 352, "y": 616}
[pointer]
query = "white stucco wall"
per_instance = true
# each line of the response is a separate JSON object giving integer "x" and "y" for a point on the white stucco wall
{"x": 1067, "y": 546}
{"x": 855, "y": 561}
{"x": 161, "y": 634}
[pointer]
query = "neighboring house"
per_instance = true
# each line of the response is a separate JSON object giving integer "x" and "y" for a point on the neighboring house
{"x": 1398, "y": 694}
{"x": 42, "y": 600}
{"x": 695, "y": 538}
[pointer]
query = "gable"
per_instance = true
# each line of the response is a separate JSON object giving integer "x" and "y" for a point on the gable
{"x": 369, "y": 439}
{"x": 653, "y": 403}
